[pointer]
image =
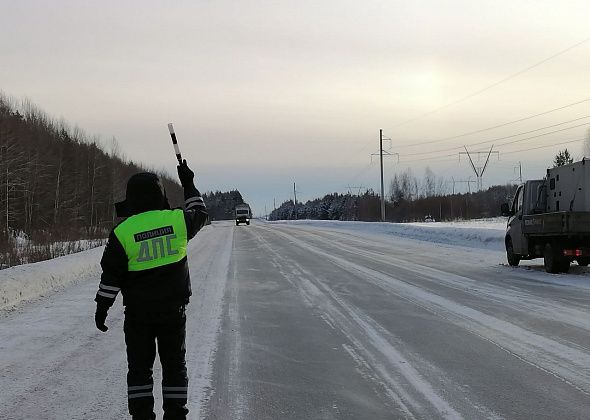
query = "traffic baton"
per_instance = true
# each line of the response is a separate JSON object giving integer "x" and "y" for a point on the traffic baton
{"x": 175, "y": 143}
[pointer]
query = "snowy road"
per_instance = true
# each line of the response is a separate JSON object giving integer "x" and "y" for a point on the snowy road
{"x": 325, "y": 324}
{"x": 311, "y": 322}
{"x": 55, "y": 364}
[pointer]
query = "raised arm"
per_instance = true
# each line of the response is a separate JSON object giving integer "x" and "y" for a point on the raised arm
{"x": 195, "y": 212}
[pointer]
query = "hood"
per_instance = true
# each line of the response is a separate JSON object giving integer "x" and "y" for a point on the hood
{"x": 144, "y": 192}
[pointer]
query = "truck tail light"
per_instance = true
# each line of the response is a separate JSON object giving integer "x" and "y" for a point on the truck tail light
{"x": 574, "y": 252}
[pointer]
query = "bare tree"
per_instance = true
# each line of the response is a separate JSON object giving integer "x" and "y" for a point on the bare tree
{"x": 395, "y": 192}
{"x": 56, "y": 182}
{"x": 442, "y": 187}
{"x": 12, "y": 166}
{"x": 429, "y": 184}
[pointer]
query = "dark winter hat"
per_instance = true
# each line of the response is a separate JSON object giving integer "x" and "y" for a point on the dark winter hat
{"x": 144, "y": 192}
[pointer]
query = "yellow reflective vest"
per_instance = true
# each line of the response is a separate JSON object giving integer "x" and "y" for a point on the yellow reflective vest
{"x": 153, "y": 239}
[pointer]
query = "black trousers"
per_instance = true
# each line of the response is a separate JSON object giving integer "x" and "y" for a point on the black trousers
{"x": 143, "y": 328}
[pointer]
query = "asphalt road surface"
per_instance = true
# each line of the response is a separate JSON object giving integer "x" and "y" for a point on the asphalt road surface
{"x": 325, "y": 325}
{"x": 295, "y": 322}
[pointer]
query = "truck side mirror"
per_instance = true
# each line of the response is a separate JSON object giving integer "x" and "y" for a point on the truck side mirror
{"x": 505, "y": 210}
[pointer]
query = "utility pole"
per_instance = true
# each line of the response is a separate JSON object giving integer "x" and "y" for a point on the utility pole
{"x": 381, "y": 153}
{"x": 295, "y": 202}
{"x": 519, "y": 172}
{"x": 381, "y": 163}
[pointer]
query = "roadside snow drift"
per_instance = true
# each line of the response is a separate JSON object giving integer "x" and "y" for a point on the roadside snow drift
{"x": 483, "y": 233}
{"x": 30, "y": 281}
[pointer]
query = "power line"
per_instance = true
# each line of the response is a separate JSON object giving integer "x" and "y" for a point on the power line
{"x": 365, "y": 169}
{"x": 439, "y": 159}
{"x": 512, "y": 76}
{"x": 431, "y": 159}
{"x": 541, "y": 135}
{"x": 495, "y": 126}
{"x": 543, "y": 147}
{"x": 511, "y": 136}
{"x": 361, "y": 172}
{"x": 367, "y": 145}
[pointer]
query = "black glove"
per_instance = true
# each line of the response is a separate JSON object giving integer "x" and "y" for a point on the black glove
{"x": 185, "y": 174}
{"x": 100, "y": 317}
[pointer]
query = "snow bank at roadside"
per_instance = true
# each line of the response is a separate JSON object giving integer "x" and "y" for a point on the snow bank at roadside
{"x": 29, "y": 281}
{"x": 482, "y": 233}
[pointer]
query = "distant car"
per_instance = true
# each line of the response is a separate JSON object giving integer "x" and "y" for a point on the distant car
{"x": 429, "y": 218}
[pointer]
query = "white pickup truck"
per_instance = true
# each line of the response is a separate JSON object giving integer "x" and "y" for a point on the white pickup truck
{"x": 550, "y": 218}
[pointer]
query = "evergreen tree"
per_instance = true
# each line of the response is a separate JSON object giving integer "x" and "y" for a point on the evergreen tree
{"x": 221, "y": 205}
{"x": 562, "y": 158}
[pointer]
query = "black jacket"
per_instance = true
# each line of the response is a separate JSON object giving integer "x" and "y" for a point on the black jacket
{"x": 165, "y": 285}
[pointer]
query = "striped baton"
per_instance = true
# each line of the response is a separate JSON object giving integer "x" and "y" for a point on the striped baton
{"x": 175, "y": 143}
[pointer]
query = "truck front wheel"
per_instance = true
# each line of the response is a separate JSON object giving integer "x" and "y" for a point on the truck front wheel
{"x": 513, "y": 259}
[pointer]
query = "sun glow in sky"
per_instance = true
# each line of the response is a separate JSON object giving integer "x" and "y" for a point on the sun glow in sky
{"x": 265, "y": 93}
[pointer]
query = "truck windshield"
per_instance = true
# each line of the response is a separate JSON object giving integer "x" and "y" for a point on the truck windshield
{"x": 242, "y": 211}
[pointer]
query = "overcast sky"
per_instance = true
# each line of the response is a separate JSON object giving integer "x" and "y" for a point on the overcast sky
{"x": 265, "y": 93}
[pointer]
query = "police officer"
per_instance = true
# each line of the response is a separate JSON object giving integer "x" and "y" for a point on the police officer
{"x": 146, "y": 260}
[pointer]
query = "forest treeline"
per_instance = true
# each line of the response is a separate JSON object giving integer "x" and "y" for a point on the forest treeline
{"x": 409, "y": 200}
{"x": 220, "y": 205}
{"x": 58, "y": 185}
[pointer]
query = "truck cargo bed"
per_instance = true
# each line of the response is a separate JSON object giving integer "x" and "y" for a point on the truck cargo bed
{"x": 567, "y": 223}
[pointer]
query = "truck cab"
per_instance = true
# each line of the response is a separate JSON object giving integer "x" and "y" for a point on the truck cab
{"x": 530, "y": 198}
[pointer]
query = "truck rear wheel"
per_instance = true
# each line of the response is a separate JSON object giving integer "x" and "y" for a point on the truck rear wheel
{"x": 554, "y": 262}
{"x": 565, "y": 266}
{"x": 513, "y": 259}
